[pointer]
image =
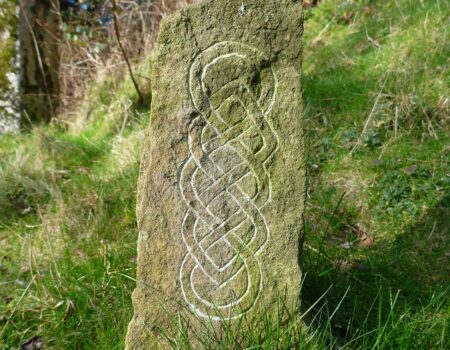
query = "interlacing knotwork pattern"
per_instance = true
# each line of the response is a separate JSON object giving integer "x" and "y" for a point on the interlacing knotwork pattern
{"x": 225, "y": 182}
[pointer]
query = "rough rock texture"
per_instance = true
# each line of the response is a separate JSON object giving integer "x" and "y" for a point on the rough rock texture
{"x": 221, "y": 189}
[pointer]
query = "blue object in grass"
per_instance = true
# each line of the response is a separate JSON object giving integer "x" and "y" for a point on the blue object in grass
{"x": 71, "y": 3}
{"x": 106, "y": 19}
{"x": 85, "y": 6}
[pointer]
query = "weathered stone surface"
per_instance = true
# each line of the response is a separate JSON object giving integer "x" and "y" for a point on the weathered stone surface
{"x": 221, "y": 189}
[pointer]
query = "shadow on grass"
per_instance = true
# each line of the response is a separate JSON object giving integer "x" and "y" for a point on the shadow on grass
{"x": 84, "y": 296}
{"x": 27, "y": 189}
{"x": 409, "y": 268}
{"x": 413, "y": 267}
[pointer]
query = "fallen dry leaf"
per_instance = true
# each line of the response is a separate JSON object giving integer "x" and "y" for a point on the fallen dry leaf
{"x": 343, "y": 265}
{"x": 365, "y": 240}
{"x": 410, "y": 169}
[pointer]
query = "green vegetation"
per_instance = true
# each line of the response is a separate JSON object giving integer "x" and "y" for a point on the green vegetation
{"x": 7, "y": 34}
{"x": 376, "y": 96}
{"x": 376, "y": 81}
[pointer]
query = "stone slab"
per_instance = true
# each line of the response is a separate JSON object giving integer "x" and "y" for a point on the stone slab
{"x": 222, "y": 182}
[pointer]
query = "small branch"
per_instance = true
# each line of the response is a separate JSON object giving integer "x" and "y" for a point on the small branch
{"x": 369, "y": 118}
{"x": 122, "y": 49}
{"x": 16, "y": 306}
{"x": 324, "y": 29}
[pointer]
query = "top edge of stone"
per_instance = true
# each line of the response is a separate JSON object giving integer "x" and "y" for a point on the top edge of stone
{"x": 197, "y": 7}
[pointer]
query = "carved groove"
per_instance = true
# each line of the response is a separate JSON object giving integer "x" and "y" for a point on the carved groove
{"x": 224, "y": 181}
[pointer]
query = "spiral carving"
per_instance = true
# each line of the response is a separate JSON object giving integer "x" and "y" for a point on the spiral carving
{"x": 225, "y": 182}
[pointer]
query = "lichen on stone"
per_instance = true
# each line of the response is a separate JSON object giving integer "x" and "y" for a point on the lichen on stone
{"x": 222, "y": 182}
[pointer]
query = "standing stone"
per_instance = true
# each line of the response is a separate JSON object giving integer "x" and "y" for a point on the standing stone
{"x": 222, "y": 183}
{"x": 39, "y": 37}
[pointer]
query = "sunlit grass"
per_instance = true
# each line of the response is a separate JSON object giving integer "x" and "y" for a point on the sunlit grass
{"x": 376, "y": 255}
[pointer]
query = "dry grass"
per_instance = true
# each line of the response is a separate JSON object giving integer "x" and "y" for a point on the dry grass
{"x": 67, "y": 196}
{"x": 91, "y": 56}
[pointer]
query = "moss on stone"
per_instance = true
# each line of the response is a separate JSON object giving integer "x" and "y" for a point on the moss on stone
{"x": 226, "y": 74}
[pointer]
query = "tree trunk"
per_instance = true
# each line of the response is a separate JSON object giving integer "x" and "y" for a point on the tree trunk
{"x": 39, "y": 37}
{"x": 9, "y": 111}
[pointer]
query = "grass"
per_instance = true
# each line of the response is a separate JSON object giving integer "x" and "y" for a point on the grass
{"x": 376, "y": 95}
{"x": 376, "y": 90}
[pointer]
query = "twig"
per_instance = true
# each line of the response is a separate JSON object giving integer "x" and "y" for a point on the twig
{"x": 396, "y": 121}
{"x": 372, "y": 41}
{"x": 124, "y": 54}
{"x": 324, "y": 29}
{"x": 16, "y": 306}
{"x": 432, "y": 230}
{"x": 369, "y": 118}
{"x": 430, "y": 124}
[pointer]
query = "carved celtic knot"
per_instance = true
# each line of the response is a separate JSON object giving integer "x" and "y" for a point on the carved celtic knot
{"x": 224, "y": 181}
